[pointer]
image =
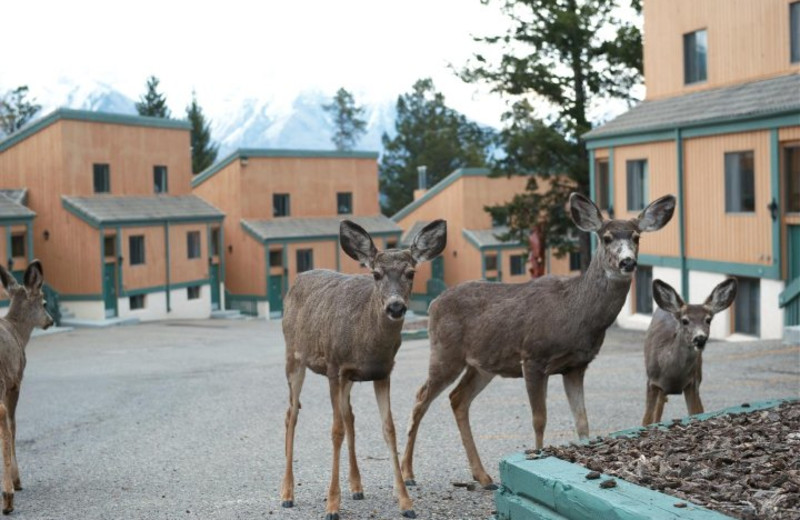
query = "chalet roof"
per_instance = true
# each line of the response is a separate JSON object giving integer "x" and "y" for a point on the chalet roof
{"x": 767, "y": 97}
{"x": 11, "y": 209}
{"x": 114, "y": 209}
{"x": 412, "y": 232}
{"x": 438, "y": 188}
{"x": 488, "y": 238}
{"x": 313, "y": 228}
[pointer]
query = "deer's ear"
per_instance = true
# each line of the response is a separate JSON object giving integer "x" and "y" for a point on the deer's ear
{"x": 722, "y": 296}
{"x": 585, "y": 213}
{"x": 9, "y": 282}
{"x": 666, "y": 297}
{"x": 429, "y": 242}
{"x": 657, "y": 214}
{"x": 357, "y": 243}
{"x": 34, "y": 275}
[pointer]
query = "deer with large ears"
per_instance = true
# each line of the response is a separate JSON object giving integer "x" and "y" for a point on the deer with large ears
{"x": 347, "y": 328}
{"x": 549, "y": 325}
{"x": 25, "y": 312}
{"x": 673, "y": 347}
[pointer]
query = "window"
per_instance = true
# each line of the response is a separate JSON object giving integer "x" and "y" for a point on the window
{"x": 391, "y": 244}
{"x": 344, "y": 203}
{"x": 499, "y": 218}
{"x": 792, "y": 171}
{"x": 644, "y": 290}
{"x": 575, "y": 261}
{"x": 280, "y": 205}
{"x": 136, "y": 302}
{"x": 517, "y": 265}
{"x": 160, "y": 179}
{"x": 215, "y": 244}
{"x": 110, "y": 245}
{"x": 276, "y": 258}
{"x": 794, "y": 31}
{"x": 136, "y": 244}
{"x": 305, "y": 260}
{"x": 601, "y": 186}
{"x": 193, "y": 292}
{"x": 695, "y": 51}
{"x": 193, "y": 244}
{"x": 491, "y": 262}
{"x": 740, "y": 194}
{"x": 102, "y": 178}
{"x": 637, "y": 184}
{"x": 747, "y": 307}
{"x": 17, "y": 246}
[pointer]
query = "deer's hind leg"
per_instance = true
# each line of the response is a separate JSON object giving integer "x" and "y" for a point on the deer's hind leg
{"x": 13, "y": 398}
{"x": 5, "y": 437}
{"x": 573, "y": 387}
{"x": 472, "y": 383}
{"x": 337, "y": 436}
{"x": 536, "y": 385}
{"x": 385, "y": 408}
{"x": 440, "y": 375}
{"x": 349, "y": 427}
{"x": 295, "y": 374}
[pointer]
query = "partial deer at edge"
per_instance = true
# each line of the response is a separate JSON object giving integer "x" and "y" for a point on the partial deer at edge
{"x": 26, "y": 311}
{"x": 347, "y": 328}
{"x": 549, "y": 325}
{"x": 673, "y": 347}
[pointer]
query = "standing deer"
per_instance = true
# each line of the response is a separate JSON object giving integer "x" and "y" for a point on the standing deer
{"x": 347, "y": 327}
{"x": 673, "y": 347}
{"x": 549, "y": 325}
{"x": 25, "y": 312}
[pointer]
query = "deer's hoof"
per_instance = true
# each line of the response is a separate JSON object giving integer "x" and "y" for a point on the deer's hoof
{"x": 358, "y": 496}
{"x": 332, "y": 516}
{"x": 411, "y": 482}
{"x": 287, "y": 503}
{"x": 490, "y": 487}
{"x": 409, "y": 513}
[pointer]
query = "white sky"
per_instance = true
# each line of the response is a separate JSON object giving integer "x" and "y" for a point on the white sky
{"x": 236, "y": 48}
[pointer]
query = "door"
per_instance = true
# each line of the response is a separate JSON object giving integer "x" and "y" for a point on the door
{"x": 275, "y": 293}
{"x": 110, "y": 289}
{"x": 213, "y": 278}
{"x": 437, "y": 268}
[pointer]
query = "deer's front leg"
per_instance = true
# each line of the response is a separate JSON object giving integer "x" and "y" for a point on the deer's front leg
{"x": 650, "y": 404}
{"x": 295, "y": 375}
{"x": 536, "y": 385}
{"x": 573, "y": 386}
{"x": 693, "y": 402}
{"x": 337, "y": 435}
{"x": 349, "y": 426}
{"x": 384, "y": 405}
{"x": 8, "y": 485}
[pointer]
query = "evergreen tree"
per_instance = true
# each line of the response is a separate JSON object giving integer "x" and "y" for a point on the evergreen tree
{"x": 347, "y": 120}
{"x": 153, "y": 103}
{"x": 204, "y": 152}
{"x": 16, "y": 110}
{"x": 571, "y": 56}
{"x": 428, "y": 133}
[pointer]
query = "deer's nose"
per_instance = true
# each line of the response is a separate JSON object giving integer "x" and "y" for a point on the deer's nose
{"x": 627, "y": 264}
{"x": 699, "y": 341}
{"x": 396, "y": 309}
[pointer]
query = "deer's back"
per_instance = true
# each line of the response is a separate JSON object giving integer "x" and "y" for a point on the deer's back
{"x": 671, "y": 365}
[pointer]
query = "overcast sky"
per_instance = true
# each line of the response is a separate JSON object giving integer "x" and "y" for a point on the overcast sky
{"x": 235, "y": 48}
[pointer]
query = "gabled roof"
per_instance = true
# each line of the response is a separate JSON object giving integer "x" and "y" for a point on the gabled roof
{"x": 12, "y": 210}
{"x": 248, "y": 153}
{"x": 488, "y": 238}
{"x": 145, "y": 209}
{"x": 439, "y": 187}
{"x": 314, "y": 228}
{"x": 409, "y": 235}
{"x": 86, "y": 115}
{"x": 774, "y": 96}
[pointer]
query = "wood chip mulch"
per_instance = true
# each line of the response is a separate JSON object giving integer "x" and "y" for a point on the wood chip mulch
{"x": 746, "y": 465}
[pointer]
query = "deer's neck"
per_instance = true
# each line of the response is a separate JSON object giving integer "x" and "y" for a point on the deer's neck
{"x": 20, "y": 327}
{"x": 601, "y": 298}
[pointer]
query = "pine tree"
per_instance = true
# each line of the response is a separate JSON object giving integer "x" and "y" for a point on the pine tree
{"x": 428, "y": 133}
{"x": 570, "y": 55}
{"x": 204, "y": 152}
{"x": 347, "y": 120}
{"x": 16, "y": 110}
{"x": 153, "y": 103}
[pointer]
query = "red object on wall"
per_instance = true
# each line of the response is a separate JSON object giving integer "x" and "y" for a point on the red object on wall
{"x": 536, "y": 257}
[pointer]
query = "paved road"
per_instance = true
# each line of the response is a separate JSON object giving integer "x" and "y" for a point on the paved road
{"x": 185, "y": 420}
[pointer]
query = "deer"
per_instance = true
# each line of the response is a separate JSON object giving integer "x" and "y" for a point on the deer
{"x": 548, "y": 325}
{"x": 26, "y": 310}
{"x": 674, "y": 344}
{"x": 347, "y": 328}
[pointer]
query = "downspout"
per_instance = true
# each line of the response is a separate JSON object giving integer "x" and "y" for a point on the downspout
{"x": 775, "y": 202}
{"x": 166, "y": 246}
{"x": 29, "y": 234}
{"x": 593, "y": 197}
{"x": 681, "y": 217}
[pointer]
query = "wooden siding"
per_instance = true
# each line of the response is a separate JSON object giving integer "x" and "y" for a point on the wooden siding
{"x": 324, "y": 256}
{"x": 711, "y": 233}
{"x": 183, "y": 268}
{"x": 662, "y": 179}
{"x": 245, "y": 266}
{"x": 790, "y": 133}
{"x": 152, "y": 272}
{"x": 507, "y": 276}
{"x": 747, "y": 40}
{"x": 482, "y": 191}
{"x": 560, "y": 266}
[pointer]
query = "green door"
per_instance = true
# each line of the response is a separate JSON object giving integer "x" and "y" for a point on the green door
{"x": 110, "y": 289}
{"x": 437, "y": 268}
{"x": 275, "y": 294}
{"x": 793, "y": 234}
{"x": 213, "y": 278}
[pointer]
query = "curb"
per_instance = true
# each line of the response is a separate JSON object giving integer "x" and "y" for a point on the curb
{"x": 553, "y": 489}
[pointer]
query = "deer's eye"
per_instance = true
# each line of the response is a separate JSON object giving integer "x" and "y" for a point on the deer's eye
{"x": 410, "y": 275}
{"x": 685, "y": 320}
{"x": 636, "y": 239}
{"x": 607, "y": 239}
{"x": 708, "y": 319}
{"x": 377, "y": 275}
